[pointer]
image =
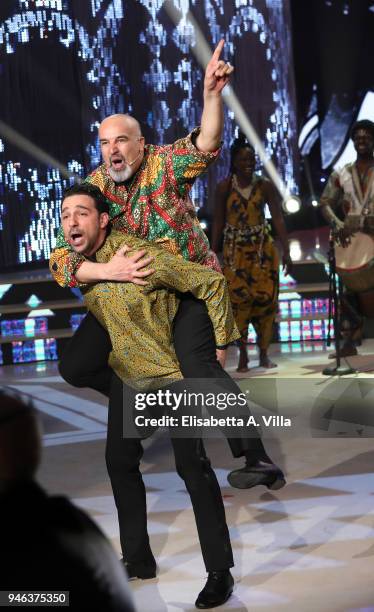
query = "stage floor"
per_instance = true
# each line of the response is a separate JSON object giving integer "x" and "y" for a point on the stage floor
{"x": 307, "y": 547}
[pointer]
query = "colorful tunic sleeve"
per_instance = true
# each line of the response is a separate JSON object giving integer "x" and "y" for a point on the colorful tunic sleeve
{"x": 64, "y": 263}
{"x": 187, "y": 162}
{"x": 333, "y": 192}
{"x": 176, "y": 273}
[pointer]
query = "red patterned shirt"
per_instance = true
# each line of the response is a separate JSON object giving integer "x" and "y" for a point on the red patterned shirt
{"x": 155, "y": 206}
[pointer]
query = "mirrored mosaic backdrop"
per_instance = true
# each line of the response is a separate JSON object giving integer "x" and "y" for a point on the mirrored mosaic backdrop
{"x": 66, "y": 64}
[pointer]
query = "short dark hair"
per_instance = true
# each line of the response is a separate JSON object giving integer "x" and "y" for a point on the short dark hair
{"x": 90, "y": 190}
{"x": 365, "y": 124}
{"x": 239, "y": 143}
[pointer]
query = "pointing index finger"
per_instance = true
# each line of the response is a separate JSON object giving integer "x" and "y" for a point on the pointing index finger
{"x": 217, "y": 51}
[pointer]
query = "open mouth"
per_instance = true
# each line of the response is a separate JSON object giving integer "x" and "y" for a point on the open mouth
{"x": 117, "y": 163}
{"x": 76, "y": 239}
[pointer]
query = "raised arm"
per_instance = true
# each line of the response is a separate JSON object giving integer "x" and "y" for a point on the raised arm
{"x": 191, "y": 156}
{"x": 217, "y": 75}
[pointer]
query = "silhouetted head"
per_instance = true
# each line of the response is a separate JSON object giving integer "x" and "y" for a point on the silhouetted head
{"x": 20, "y": 440}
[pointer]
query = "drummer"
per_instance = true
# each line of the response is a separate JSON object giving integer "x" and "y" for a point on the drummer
{"x": 347, "y": 203}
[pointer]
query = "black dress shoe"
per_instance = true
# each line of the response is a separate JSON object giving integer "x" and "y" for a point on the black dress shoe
{"x": 260, "y": 473}
{"x": 139, "y": 570}
{"x": 217, "y": 590}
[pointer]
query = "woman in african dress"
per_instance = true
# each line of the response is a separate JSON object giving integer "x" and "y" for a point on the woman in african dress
{"x": 250, "y": 258}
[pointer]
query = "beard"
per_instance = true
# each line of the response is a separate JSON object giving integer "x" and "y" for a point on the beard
{"x": 121, "y": 175}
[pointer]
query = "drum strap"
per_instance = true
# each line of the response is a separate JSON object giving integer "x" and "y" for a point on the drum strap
{"x": 363, "y": 199}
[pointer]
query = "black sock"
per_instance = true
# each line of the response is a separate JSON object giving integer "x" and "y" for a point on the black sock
{"x": 251, "y": 457}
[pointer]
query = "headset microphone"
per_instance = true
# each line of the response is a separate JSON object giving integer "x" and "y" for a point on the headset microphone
{"x": 133, "y": 162}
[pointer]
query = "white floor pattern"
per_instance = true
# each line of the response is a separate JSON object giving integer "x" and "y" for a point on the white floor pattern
{"x": 306, "y": 548}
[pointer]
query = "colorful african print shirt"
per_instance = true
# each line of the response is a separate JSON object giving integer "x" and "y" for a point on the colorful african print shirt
{"x": 155, "y": 206}
{"x": 139, "y": 318}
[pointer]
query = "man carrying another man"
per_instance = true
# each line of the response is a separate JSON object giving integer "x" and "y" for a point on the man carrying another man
{"x": 147, "y": 188}
{"x": 139, "y": 322}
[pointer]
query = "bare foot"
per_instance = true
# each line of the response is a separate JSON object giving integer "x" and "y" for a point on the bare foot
{"x": 265, "y": 362}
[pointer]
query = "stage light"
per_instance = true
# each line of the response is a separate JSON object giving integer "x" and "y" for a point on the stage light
{"x": 204, "y": 224}
{"x": 291, "y": 204}
{"x": 314, "y": 202}
{"x": 34, "y": 151}
{"x": 295, "y": 250}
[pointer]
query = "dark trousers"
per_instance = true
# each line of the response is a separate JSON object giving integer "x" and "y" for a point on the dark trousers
{"x": 85, "y": 361}
{"x": 123, "y": 457}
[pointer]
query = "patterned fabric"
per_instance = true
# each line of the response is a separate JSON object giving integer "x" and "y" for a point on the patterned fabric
{"x": 139, "y": 318}
{"x": 155, "y": 206}
{"x": 251, "y": 263}
{"x": 354, "y": 192}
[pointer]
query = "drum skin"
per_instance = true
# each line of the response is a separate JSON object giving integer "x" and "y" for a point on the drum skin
{"x": 355, "y": 263}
